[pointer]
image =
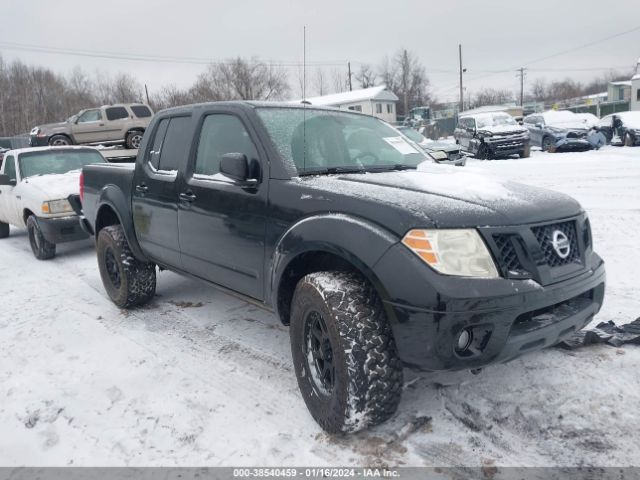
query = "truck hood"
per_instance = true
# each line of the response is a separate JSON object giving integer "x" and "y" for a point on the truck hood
{"x": 52, "y": 127}
{"x": 443, "y": 197}
{"x": 55, "y": 186}
{"x": 577, "y": 125}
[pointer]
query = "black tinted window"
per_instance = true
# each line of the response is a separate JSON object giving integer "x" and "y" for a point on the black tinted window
{"x": 158, "y": 138}
{"x": 116, "y": 113}
{"x": 176, "y": 144}
{"x": 222, "y": 134}
{"x": 141, "y": 111}
{"x": 10, "y": 168}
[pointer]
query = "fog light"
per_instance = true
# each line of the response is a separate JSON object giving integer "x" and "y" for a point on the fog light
{"x": 464, "y": 340}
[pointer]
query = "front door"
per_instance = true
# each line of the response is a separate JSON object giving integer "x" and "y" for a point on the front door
{"x": 221, "y": 223}
{"x": 155, "y": 209}
{"x": 89, "y": 127}
{"x": 9, "y": 211}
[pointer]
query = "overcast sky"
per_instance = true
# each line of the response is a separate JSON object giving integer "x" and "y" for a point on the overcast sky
{"x": 495, "y": 35}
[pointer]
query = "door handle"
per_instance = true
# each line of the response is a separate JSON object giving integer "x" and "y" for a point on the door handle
{"x": 187, "y": 196}
{"x": 142, "y": 188}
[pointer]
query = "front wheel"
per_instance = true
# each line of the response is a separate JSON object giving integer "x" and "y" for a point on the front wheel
{"x": 343, "y": 350}
{"x": 42, "y": 249}
{"x": 4, "y": 230}
{"x": 548, "y": 145}
{"x": 526, "y": 152}
{"x": 59, "y": 141}
{"x": 628, "y": 140}
{"x": 128, "y": 281}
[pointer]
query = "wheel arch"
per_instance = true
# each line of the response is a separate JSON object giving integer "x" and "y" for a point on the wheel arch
{"x": 323, "y": 243}
{"x": 108, "y": 213}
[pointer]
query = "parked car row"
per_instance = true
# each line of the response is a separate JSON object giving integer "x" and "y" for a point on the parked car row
{"x": 373, "y": 256}
{"x": 497, "y": 134}
{"x": 122, "y": 124}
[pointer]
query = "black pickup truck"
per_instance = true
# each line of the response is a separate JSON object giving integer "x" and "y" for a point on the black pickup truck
{"x": 375, "y": 257}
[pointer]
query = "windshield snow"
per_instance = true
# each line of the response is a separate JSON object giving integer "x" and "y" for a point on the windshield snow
{"x": 325, "y": 141}
{"x": 56, "y": 162}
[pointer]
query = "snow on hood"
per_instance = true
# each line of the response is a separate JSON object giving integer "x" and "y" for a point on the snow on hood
{"x": 56, "y": 186}
{"x": 630, "y": 119}
{"x": 502, "y": 129}
{"x": 442, "y": 195}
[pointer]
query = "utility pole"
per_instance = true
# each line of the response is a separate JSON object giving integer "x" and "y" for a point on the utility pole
{"x": 349, "y": 68}
{"x": 521, "y": 74}
{"x": 146, "y": 91}
{"x": 461, "y": 93}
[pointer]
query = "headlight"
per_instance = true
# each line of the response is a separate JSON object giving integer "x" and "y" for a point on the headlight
{"x": 439, "y": 155}
{"x": 459, "y": 252}
{"x": 57, "y": 206}
{"x": 485, "y": 133}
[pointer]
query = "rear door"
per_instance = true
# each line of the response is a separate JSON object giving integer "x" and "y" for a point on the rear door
{"x": 116, "y": 123}
{"x": 89, "y": 127}
{"x": 221, "y": 223}
{"x": 154, "y": 196}
{"x": 605, "y": 125}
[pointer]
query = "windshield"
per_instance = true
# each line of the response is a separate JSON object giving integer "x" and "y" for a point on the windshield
{"x": 413, "y": 135}
{"x": 56, "y": 162}
{"x": 325, "y": 141}
{"x": 494, "y": 120}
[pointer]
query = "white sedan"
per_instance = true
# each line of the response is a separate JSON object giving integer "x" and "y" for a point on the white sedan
{"x": 35, "y": 184}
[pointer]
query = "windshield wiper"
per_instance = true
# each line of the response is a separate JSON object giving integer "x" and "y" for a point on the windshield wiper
{"x": 332, "y": 170}
{"x": 386, "y": 168}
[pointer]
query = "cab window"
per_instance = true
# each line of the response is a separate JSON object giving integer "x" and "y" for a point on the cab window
{"x": 158, "y": 139}
{"x": 10, "y": 168}
{"x": 175, "y": 146}
{"x": 221, "y": 134}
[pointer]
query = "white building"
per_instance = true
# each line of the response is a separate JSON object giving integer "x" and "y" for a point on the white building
{"x": 376, "y": 101}
{"x": 635, "y": 89}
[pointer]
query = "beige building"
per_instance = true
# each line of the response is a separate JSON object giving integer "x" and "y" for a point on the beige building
{"x": 377, "y": 101}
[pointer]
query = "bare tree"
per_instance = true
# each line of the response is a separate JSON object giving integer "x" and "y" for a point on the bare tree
{"x": 405, "y": 76}
{"x": 339, "y": 80}
{"x": 365, "y": 76}
{"x": 491, "y": 96}
{"x": 320, "y": 82}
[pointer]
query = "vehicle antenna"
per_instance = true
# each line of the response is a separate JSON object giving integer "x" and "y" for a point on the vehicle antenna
{"x": 304, "y": 97}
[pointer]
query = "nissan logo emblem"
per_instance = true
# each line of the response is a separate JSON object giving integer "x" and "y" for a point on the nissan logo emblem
{"x": 561, "y": 244}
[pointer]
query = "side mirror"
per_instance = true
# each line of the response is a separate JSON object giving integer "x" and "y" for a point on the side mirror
{"x": 538, "y": 125}
{"x": 5, "y": 181}
{"x": 236, "y": 167}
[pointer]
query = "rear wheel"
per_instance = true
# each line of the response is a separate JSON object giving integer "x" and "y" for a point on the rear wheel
{"x": 4, "y": 230}
{"x": 344, "y": 353}
{"x": 40, "y": 246}
{"x": 128, "y": 281}
{"x": 59, "y": 141}
{"x": 133, "y": 140}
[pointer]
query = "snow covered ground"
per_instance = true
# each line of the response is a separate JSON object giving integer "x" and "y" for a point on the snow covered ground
{"x": 201, "y": 378}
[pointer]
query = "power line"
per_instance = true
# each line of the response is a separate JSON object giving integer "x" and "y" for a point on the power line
{"x": 144, "y": 57}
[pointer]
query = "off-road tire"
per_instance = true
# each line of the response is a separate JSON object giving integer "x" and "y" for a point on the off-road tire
{"x": 42, "y": 249}
{"x": 133, "y": 139}
{"x": 4, "y": 230}
{"x": 128, "y": 281}
{"x": 368, "y": 373}
{"x": 628, "y": 141}
{"x": 60, "y": 140}
{"x": 526, "y": 153}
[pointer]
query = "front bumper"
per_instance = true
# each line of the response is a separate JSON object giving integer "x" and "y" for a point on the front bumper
{"x": 61, "y": 229}
{"x": 39, "y": 141}
{"x": 573, "y": 145}
{"x": 507, "y": 318}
